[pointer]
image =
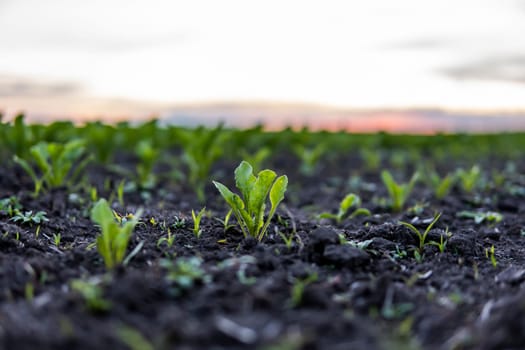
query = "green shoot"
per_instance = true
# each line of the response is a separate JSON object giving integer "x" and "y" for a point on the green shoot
{"x": 92, "y": 294}
{"x": 469, "y": 179}
{"x": 226, "y": 221}
{"x": 479, "y": 217}
{"x": 298, "y": 288}
{"x": 57, "y": 237}
{"x": 147, "y": 155}
{"x": 197, "y": 221}
{"x": 168, "y": 240}
{"x": 29, "y": 218}
{"x": 184, "y": 273}
{"x": 309, "y": 157}
{"x": 398, "y": 192}
{"x": 10, "y": 205}
{"x": 491, "y": 254}
{"x": 441, "y": 185}
{"x": 113, "y": 242}
{"x": 350, "y": 201}
{"x": 421, "y": 235}
{"x": 250, "y": 209}
{"x": 442, "y": 244}
{"x": 54, "y": 161}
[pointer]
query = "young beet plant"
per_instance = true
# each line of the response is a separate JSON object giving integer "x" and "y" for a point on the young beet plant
{"x": 398, "y": 192}
{"x": 113, "y": 242}
{"x": 351, "y": 200}
{"x": 249, "y": 210}
{"x": 54, "y": 162}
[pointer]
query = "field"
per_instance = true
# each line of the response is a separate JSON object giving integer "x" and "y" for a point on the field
{"x": 117, "y": 237}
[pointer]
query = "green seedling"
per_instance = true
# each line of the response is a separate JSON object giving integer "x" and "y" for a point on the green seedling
{"x": 201, "y": 149}
{"x": 179, "y": 222}
{"x": 422, "y": 236}
{"x": 54, "y": 162}
{"x": 249, "y": 210}
{"x": 92, "y": 293}
{"x": 226, "y": 221}
{"x": 168, "y": 240}
{"x": 148, "y": 156}
{"x": 479, "y": 217}
{"x": 28, "y": 217}
{"x": 441, "y": 186}
{"x": 491, "y": 254}
{"x": 371, "y": 157}
{"x": 398, "y": 193}
{"x": 469, "y": 179}
{"x": 133, "y": 339}
{"x": 197, "y": 221}
{"x": 10, "y": 205}
{"x": 350, "y": 201}
{"x": 309, "y": 157}
{"x": 185, "y": 273}
{"x": 113, "y": 242}
{"x": 298, "y": 288}
{"x": 442, "y": 244}
{"x": 57, "y": 237}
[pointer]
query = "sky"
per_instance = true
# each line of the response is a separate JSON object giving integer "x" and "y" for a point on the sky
{"x": 125, "y": 57}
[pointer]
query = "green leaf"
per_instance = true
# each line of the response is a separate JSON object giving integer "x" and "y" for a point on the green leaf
{"x": 245, "y": 180}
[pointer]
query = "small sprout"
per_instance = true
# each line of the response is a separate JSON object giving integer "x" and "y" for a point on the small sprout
{"x": 116, "y": 233}
{"x": 54, "y": 162}
{"x": 298, "y": 288}
{"x": 442, "y": 244}
{"x": 226, "y": 221}
{"x": 398, "y": 193}
{"x": 10, "y": 205}
{"x": 350, "y": 201}
{"x": 197, "y": 221}
{"x": 29, "y": 218}
{"x": 491, "y": 254}
{"x": 92, "y": 293}
{"x": 57, "y": 237}
{"x": 148, "y": 155}
{"x": 309, "y": 157}
{"x": 250, "y": 209}
{"x": 184, "y": 273}
{"x": 469, "y": 179}
{"x": 421, "y": 235}
{"x": 168, "y": 240}
{"x": 479, "y": 217}
{"x": 441, "y": 185}
{"x": 288, "y": 241}
{"x": 179, "y": 222}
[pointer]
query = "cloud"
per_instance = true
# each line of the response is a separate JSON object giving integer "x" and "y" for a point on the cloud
{"x": 506, "y": 69}
{"x": 15, "y": 86}
{"x": 421, "y": 44}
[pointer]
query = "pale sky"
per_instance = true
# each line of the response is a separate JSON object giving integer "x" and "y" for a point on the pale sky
{"x": 84, "y": 55}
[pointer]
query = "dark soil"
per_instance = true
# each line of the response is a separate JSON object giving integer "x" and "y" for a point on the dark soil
{"x": 378, "y": 296}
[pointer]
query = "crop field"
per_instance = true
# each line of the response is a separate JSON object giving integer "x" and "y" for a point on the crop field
{"x": 160, "y": 237}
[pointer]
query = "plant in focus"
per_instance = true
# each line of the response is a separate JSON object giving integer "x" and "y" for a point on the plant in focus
{"x": 113, "y": 241}
{"x": 250, "y": 209}
{"x": 422, "y": 236}
{"x": 197, "y": 221}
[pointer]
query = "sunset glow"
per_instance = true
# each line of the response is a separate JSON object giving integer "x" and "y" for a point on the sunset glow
{"x": 136, "y": 59}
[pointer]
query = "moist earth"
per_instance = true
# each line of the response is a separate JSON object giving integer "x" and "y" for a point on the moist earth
{"x": 358, "y": 284}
